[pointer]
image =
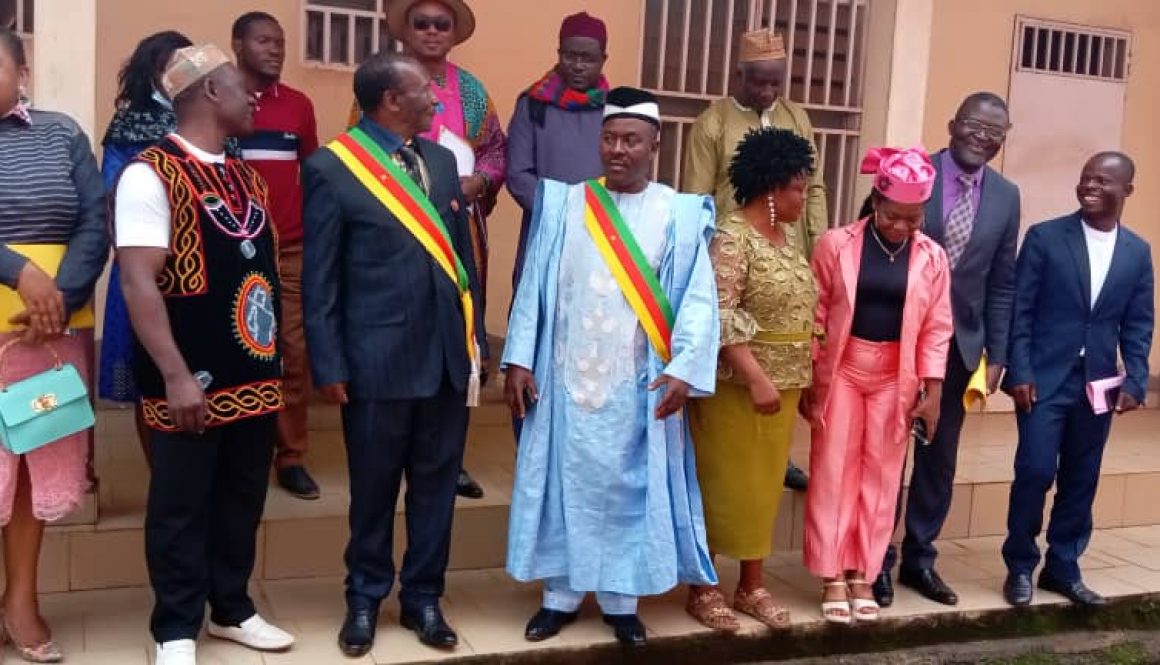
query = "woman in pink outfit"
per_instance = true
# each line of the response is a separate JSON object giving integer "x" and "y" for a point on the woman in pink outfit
{"x": 884, "y": 304}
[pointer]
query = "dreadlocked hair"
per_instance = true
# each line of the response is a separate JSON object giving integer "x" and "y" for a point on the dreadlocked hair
{"x": 768, "y": 159}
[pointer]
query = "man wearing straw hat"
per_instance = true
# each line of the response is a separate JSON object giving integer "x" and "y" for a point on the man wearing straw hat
{"x": 200, "y": 275}
{"x": 757, "y": 103}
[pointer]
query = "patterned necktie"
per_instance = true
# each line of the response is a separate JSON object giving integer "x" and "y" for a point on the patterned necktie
{"x": 410, "y": 162}
{"x": 960, "y": 220}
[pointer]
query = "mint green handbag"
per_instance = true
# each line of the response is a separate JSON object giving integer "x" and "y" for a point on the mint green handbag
{"x": 44, "y": 407}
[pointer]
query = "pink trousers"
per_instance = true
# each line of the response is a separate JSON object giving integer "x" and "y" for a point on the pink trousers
{"x": 58, "y": 471}
{"x": 855, "y": 464}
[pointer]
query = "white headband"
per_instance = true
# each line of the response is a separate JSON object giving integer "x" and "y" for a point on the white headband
{"x": 644, "y": 110}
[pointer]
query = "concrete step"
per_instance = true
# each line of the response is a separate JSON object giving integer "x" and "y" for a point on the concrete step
{"x": 489, "y": 610}
{"x": 305, "y": 539}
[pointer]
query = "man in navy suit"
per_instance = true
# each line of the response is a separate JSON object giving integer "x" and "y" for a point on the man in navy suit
{"x": 974, "y": 214}
{"x": 387, "y": 339}
{"x": 1083, "y": 293}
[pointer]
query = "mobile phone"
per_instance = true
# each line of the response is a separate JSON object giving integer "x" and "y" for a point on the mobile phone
{"x": 918, "y": 431}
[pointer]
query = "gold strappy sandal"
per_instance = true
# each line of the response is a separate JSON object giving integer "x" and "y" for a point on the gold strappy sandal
{"x": 45, "y": 652}
{"x": 709, "y": 608}
{"x": 759, "y": 605}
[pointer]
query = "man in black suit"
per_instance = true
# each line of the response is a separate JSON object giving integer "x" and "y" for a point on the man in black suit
{"x": 1084, "y": 296}
{"x": 974, "y": 214}
{"x": 388, "y": 291}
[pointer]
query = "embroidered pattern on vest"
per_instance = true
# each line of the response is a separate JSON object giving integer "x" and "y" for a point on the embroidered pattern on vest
{"x": 223, "y": 407}
{"x": 255, "y": 325}
{"x": 190, "y": 183}
{"x": 184, "y": 272}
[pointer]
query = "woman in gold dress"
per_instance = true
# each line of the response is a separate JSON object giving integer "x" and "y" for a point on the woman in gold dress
{"x": 742, "y": 434}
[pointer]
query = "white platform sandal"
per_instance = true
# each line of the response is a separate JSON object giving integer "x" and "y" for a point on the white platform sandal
{"x": 864, "y": 609}
{"x": 836, "y": 611}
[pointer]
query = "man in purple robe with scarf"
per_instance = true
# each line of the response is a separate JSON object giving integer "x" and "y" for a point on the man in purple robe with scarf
{"x": 555, "y": 129}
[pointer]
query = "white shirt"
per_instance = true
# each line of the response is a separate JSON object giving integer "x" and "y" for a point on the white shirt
{"x": 141, "y": 212}
{"x": 1100, "y": 247}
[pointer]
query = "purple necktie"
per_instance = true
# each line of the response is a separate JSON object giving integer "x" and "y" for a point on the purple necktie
{"x": 960, "y": 220}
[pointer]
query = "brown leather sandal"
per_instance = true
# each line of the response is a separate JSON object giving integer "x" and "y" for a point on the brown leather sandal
{"x": 709, "y": 608}
{"x": 759, "y": 605}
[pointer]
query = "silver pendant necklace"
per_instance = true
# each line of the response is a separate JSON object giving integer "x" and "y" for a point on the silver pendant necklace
{"x": 889, "y": 254}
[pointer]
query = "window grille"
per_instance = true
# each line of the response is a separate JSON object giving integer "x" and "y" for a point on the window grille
{"x": 1072, "y": 50}
{"x": 17, "y": 15}
{"x": 689, "y": 56}
{"x": 342, "y": 33}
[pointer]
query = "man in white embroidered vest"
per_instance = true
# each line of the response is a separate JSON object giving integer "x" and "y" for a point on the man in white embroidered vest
{"x": 614, "y": 326}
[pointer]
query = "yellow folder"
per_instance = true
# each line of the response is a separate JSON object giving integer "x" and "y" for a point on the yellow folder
{"x": 977, "y": 387}
{"x": 47, "y": 258}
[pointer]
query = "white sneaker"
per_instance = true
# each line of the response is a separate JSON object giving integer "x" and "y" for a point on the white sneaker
{"x": 254, "y": 633}
{"x": 176, "y": 652}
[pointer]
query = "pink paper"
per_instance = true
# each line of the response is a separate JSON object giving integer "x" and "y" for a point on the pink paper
{"x": 1098, "y": 390}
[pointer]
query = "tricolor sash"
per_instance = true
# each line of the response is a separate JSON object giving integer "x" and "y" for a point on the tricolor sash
{"x": 403, "y": 198}
{"x": 622, "y": 255}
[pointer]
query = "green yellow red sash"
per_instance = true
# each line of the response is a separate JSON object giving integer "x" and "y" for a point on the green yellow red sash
{"x": 622, "y": 254}
{"x": 402, "y": 197}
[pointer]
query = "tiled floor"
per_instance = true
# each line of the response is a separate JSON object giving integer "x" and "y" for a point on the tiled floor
{"x": 489, "y": 609}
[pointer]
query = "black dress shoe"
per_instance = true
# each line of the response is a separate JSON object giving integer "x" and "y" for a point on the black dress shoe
{"x": 1077, "y": 592}
{"x": 628, "y": 629}
{"x": 1017, "y": 589}
{"x": 547, "y": 623}
{"x": 883, "y": 589}
{"x": 467, "y": 487}
{"x": 295, "y": 480}
{"x": 929, "y": 584}
{"x": 428, "y": 624}
{"x": 358, "y": 632}
{"x": 795, "y": 478}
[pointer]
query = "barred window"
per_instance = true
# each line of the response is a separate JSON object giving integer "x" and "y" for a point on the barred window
{"x": 689, "y": 57}
{"x": 342, "y": 33}
{"x": 17, "y": 15}
{"x": 1072, "y": 50}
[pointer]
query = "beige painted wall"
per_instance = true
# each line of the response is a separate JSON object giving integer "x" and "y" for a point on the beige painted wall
{"x": 959, "y": 64}
{"x": 515, "y": 42}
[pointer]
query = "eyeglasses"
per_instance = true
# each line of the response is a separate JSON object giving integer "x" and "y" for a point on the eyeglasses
{"x": 575, "y": 57}
{"x": 989, "y": 132}
{"x": 425, "y": 23}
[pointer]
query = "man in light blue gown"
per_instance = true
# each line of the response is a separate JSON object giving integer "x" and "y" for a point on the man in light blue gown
{"x": 614, "y": 326}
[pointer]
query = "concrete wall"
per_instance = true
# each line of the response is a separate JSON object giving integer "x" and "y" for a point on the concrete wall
{"x": 514, "y": 43}
{"x": 962, "y": 62}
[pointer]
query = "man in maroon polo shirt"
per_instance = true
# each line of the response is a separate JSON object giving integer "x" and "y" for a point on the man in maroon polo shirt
{"x": 284, "y": 135}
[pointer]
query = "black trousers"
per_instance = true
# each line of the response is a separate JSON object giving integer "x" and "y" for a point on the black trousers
{"x": 421, "y": 440}
{"x": 206, "y": 495}
{"x": 932, "y": 480}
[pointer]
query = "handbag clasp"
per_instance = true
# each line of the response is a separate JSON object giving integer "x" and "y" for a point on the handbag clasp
{"x": 44, "y": 403}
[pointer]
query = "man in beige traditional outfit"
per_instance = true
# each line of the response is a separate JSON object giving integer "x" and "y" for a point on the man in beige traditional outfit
{"x": 756, "y": 103}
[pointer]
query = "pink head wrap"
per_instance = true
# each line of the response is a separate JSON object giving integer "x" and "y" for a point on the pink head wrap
{"x": 903, "y": 176}
{"x": 584, "y": 25}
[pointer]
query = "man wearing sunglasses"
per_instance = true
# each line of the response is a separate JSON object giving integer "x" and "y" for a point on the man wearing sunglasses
{"x": 974, "y": 214}
{"x": 465, "y": 122}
